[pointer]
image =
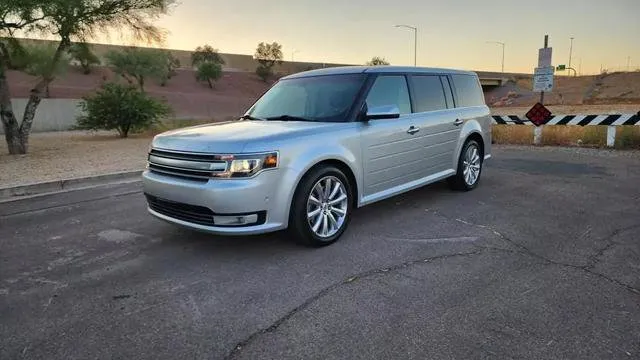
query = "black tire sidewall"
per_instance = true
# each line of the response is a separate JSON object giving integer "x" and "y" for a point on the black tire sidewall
{"x": 298, "y": 222}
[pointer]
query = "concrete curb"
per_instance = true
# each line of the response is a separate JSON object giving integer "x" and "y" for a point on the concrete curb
{"x": 11, "y": 193}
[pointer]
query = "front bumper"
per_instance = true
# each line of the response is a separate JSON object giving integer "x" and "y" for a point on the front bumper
{"x": 262, "y": 194}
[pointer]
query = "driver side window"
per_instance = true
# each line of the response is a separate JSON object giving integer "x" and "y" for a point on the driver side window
{"x": 390, "y": 90}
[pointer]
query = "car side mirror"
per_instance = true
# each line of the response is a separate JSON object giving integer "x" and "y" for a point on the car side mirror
{"x": 383, "y": 112}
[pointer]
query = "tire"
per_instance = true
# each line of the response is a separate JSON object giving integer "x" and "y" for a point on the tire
{"x": 461, "y": 181}
{"x": 312, "y": 230}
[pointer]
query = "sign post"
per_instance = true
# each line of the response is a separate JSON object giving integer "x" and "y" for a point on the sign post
{"x": 542, "y": 82}
{"x": 544, "y": 60}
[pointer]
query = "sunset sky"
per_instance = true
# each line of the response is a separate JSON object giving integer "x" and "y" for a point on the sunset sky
{"x": 452, "y": 33}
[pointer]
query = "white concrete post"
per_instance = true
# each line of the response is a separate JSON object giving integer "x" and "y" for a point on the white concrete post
{"x": 611, "y": 136}
{"x": 537, "y": 134}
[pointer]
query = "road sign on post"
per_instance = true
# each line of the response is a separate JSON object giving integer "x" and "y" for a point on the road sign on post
{"x": 544, "y": 57}
{"x": 543, "y": 79}
{"x": 544, "y": 61}
{"x": 561, "y": 68}
{"x": 539, "y": 114}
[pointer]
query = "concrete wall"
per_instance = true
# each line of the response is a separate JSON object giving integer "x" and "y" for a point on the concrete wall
{"x": 233, "y": 62}
{"x": 52, "y": 114}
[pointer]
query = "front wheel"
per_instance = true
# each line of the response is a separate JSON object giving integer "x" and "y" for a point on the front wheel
{"x": 469, "y": 167}
{"x": 321, "y": 208}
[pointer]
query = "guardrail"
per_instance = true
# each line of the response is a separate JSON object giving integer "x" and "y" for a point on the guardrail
{"x": 611, "y": 121}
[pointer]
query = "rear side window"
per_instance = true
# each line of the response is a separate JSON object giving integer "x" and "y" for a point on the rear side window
{"x": 390, "y": 90}
{"x": 428, "y": 93}
{"x": 469, "y": 90}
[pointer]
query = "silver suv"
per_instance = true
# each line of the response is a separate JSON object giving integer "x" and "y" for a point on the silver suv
{"x": 319, "y": 144}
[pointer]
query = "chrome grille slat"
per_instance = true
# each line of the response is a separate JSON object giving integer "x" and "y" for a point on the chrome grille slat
{"x": 198, "y": 167}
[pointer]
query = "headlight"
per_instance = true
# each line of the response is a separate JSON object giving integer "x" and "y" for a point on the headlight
{"x": 241, "y": 166}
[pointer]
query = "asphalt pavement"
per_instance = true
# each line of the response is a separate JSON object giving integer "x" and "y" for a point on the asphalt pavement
{"x": 541, "y": 261}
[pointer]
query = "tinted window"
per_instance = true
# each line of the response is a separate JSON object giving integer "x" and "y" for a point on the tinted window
{"x": 447, "y": 91}
{"x": 468, "y": 90}
{"x": 320, "y": 98}
{"x": 428, "y": 93}
{"x": 390, "y": 90}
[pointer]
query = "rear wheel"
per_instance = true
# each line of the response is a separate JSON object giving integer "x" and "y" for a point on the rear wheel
{"x": 469, "y": 167}
{"x": 321, "y": 208}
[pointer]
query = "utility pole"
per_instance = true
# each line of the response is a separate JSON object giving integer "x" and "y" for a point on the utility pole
{"x": 628, "y": 63}
{"x": 570, "y": 54}
{"x": 503, "y": 45}
{"x": 580, "y": 68}
{"x": 415, "y": 41}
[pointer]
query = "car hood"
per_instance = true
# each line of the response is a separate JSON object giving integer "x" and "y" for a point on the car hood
{"x": 233, "y": 137}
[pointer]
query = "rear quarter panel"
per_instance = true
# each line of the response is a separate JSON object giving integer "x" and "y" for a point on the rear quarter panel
{"x": 477, "y": 119}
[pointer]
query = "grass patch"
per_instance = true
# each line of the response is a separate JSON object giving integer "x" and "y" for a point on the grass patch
{"x": 571, "y": 135}
{"x": 512, "y": 134}
{"x": 628, "y": 137}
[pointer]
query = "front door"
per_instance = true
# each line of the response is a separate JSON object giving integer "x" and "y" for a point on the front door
{"x": 392, "y": 149}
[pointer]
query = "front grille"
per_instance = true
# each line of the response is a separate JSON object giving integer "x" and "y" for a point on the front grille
{"x": 190, "y": 213}
{"x": 196, "y": 167}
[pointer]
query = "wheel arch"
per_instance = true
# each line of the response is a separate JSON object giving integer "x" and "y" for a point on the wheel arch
{"x": 342, "y": 166}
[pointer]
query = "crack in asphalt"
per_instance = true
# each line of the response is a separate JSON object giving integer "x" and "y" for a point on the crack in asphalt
{"x": 74, "y": 203}
{"x": 320, "y": 294}
{"x": 596, "y": 257}
{"x": 585, "y": 268}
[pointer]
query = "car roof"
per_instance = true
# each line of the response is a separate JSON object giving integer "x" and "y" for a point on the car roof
{"x": 342, "y": 70}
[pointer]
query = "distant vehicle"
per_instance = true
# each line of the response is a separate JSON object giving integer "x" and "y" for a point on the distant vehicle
{"x": 319, "y": 144}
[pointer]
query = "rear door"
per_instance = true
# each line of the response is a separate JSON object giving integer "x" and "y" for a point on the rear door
{"x": 434, "y": 113}
{"x": 391, "y": 151}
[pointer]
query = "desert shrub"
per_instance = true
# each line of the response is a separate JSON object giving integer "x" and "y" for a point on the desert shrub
{"x": 119, "y": 107}
{"x": 209, "y": 71}
{"x": 81, "y": 52}
{"x": 264, "y": 72}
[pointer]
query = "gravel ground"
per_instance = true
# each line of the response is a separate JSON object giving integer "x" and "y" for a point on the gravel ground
{"x": 66, "y": 155}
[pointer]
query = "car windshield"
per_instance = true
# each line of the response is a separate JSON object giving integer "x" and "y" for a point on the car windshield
{"x": 319, "y": 98}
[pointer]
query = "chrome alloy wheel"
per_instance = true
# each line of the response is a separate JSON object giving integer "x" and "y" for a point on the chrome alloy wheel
{"x": 327, "y": 206}
{"x": 471, "y": 165}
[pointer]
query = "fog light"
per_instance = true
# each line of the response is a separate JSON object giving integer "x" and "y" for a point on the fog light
{"x": 235, "y": 220}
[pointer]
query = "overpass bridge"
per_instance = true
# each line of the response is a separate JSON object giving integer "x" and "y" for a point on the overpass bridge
{"x": 490, "y": 79}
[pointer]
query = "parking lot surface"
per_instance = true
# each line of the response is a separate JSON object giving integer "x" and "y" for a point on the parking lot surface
{"x": 541, "y": 261}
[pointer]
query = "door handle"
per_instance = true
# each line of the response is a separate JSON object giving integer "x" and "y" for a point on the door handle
{"x": 458, "y": 122}
{"x": 413, "y": 129}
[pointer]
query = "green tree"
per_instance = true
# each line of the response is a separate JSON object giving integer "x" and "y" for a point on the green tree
{"x": 119, "y": 107}
{"x": 377, "y": 61}
{"x": 37, "y": 63}
{"x": 267, "y": 55}
{"x": 172, "y": 64}
{"x": 81, "y": 52}
{"x": 206, "y": 53}
{"x": 65, "y": 20}
{"x": 137, "y": 65}
{"x": 210, "y": 72}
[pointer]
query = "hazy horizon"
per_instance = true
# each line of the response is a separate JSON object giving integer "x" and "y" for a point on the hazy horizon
{"x": 451, "y": 33}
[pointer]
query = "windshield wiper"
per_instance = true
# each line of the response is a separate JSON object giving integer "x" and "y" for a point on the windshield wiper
{"x": 249, "y": 117}
{"x": 288, "y": 118}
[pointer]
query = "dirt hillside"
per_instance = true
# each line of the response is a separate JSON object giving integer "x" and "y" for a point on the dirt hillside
{"x": 605, "y": 89}
{"x": 233, "y": 93}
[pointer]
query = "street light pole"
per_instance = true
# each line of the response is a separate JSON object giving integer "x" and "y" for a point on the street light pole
{"x": 293, "y": 53}
{"x": 415, "y": 42}
{"x": 503, "y": 45}
{"x": 570, "y": 54}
